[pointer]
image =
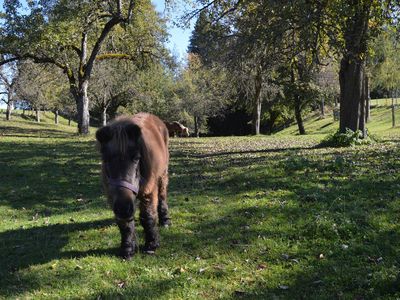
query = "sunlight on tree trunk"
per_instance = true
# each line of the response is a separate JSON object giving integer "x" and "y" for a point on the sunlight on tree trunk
{"x": 83, "y": 109}
{"x": 56, "y": 117}
{"x": 257, "y": 102}
{"x": 104, "y": 116}
{"x": 297, "y": 113}
{"x": 8, "y": 111}
{"x": 37, "y": 110}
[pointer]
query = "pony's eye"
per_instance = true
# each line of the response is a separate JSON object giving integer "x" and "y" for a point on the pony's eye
{"x": 135, "y": 157}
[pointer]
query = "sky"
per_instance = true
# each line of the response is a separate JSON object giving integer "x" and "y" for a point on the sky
{"x": 179, "y": 37}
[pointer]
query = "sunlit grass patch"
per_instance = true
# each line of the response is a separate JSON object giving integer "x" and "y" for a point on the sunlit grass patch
{"x": 253, "y": 218}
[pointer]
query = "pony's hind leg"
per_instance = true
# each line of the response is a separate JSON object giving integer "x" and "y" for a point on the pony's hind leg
{"x": 148, "y": 219}
{"x": 163, "y": 215}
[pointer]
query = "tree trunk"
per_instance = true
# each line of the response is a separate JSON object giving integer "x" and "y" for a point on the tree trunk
{"x": 322, "y": 107}
{"x": 393, "y": 112}
{"x": 196, "y": 127}
{"x": 367, "y": 101}
{"x": 351, "y": 78}
{"x": 82, "y": 102}
{"x": 56, "y": 117}
{"x": 104, "y": 116}
{"x": 297, "y": 113}
{"x": 257, "y": 103}
{"x": 257, "y": 116}
{"x": 8, "y": 111}
{"x": 363, "y": 102}
{"x": 37, "y": 110}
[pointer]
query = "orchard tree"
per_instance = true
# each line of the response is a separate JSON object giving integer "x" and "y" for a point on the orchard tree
{"x": 73, "y": 35}
{"x": 203, "y": 91}
{"x": 309, "y": 28}
{"x": 153, "y": 90}
{"x": 37, "y": 84}
{"x": 112, "y": 87}
{"x": 352, "y": 26}
{"x": 386, "y": 65}
{"x": 8, "y": 82}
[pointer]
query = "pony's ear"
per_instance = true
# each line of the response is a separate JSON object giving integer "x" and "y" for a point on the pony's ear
{"x": 104, "y": 134}
{"x": 133, "y": 131}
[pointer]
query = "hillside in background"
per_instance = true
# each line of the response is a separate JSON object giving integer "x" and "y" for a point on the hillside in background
{"x": 380, "y": 124}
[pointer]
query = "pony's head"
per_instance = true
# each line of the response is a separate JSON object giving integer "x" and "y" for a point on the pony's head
{"x": 120, "y": 147}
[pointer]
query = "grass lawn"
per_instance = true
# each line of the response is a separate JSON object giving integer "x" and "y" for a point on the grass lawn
{"x": 253, "y": 218}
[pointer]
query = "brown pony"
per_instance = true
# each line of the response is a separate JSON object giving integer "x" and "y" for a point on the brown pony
{"x": 177, "y": 128}
{"x": 135, "y": 158}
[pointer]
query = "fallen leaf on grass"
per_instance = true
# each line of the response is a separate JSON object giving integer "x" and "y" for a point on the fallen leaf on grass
{"x": 261, "y": 266}
{"x": 283, "y": 287}
{"x": 179, "y": 270}
{"x": 35, "y": 217}
{"x": 120, "y": 283}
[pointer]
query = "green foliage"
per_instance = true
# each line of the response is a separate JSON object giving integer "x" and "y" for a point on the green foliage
{"x": 347, "y": 139}
{"x": 202, "y": 89}
{"x": 385, "y": 61}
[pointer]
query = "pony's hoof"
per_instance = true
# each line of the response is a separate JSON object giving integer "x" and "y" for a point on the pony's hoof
{"x": 151, "y": 248}
{"x": 128, "y": 251}
{"x": 166, "y": 223}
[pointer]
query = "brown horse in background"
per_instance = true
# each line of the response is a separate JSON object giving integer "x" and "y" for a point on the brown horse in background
{"x": 176, "y": 128}
{"x": 135, "y": 159}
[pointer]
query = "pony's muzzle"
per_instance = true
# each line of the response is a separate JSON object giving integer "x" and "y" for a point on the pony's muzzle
{"x": 123, "y": 205}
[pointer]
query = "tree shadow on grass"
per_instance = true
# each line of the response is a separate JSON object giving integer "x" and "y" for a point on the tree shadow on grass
{"x": 44, "y": 176}
{"x": 317, "y": 205}
{"x": 317, "y": 195}
{"x": 13, "y": 131}
{"x": 358, "y": 255}
{"x": 21, "y": 248}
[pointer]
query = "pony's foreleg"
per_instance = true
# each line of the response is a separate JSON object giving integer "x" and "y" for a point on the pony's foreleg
{"x": 128, "y": 238}
{"x": 148, "y": 219}
{"x": 163, "y": 215}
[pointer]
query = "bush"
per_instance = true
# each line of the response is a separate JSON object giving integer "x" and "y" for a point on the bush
{"x": 349, "y": 138}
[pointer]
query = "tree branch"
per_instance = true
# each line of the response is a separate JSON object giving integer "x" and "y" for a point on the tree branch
{"x": 191, "y": 15}
{"x": 232, "y": 9}
{"x": 114, "y": 56}
{"x": 76, "y": 49}
{"x": 130, "y": 9}
{"x": 96, "y": 49}
{"x": 8, "y": 60}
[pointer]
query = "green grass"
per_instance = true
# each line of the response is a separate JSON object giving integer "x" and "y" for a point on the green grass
{"x": 380, "y": 124}
{"x": 254, "y": 218}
